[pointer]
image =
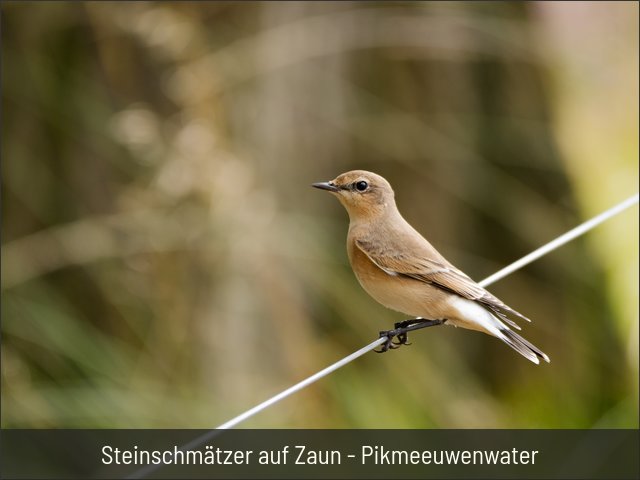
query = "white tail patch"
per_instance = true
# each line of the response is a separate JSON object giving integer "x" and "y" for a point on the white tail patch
{"x": 474, "y": 316}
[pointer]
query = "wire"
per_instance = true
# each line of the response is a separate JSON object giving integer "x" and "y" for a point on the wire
{"x": 561, "y": 240}
{"x": 300, "y": 385}
{"x": 552, "y": 245}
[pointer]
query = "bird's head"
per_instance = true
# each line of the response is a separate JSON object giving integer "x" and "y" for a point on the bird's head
{"x": 364, "y": 194}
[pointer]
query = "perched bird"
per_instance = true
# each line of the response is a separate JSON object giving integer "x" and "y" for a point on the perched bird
{"x": 400, "y": 269}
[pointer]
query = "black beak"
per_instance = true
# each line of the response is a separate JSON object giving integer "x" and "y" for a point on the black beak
{"x": 326, "y": 186}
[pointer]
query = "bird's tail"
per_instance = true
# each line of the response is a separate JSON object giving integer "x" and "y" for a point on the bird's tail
{"x": 522, "y": 346}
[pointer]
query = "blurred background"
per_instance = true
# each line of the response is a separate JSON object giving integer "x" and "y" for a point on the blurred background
{"x": 165, "y": 262}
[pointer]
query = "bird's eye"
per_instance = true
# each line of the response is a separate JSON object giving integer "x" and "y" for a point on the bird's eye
{"x": 361, "y": 186}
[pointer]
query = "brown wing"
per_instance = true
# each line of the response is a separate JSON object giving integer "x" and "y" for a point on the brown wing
{"x": 439, "y": 273}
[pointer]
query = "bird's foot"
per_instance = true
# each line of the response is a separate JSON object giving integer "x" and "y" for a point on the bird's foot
{"x": 400, "y": 332}
{"x": 402, "y": 337}
{"x": 389, "y": 344}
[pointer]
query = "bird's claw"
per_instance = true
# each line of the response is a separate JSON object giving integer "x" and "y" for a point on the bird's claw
{"x": 400, "y": 332}
{"x": 402, "y": 339}
{"x": 386, "y": 345}
{"x": 389, "y": 344}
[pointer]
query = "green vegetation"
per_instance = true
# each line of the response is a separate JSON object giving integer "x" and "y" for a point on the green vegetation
{"x": 165, "y": 262}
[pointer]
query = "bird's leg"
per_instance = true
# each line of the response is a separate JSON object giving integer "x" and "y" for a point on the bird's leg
{"x": 402, "y": 337}
{"x": 401, "y": 329}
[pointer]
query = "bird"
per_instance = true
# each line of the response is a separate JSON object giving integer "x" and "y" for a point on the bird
{"x": 401, "y": 270}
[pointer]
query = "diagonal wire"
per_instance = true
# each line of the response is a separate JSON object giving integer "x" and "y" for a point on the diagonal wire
{"x": 561, "y": 240}
{"x": 552, "y": 245}
{"x": 543, "y": 250}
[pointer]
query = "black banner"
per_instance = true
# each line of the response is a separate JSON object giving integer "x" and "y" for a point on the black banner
{"x": 337, "y": 454}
